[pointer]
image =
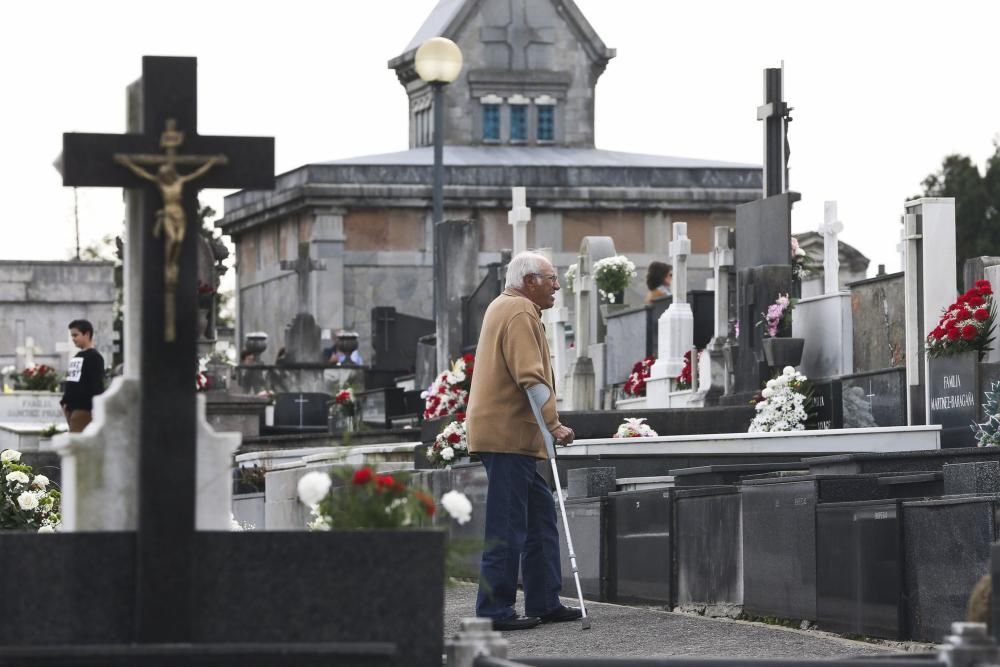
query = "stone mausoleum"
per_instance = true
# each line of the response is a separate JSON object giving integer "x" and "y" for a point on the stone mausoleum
{"x": 520, "y": 114}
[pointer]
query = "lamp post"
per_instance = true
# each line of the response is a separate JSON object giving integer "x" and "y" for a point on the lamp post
{"x": 439, "y": 62}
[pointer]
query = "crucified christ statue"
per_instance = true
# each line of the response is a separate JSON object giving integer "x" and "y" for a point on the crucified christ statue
{"x": 171, "y": 219}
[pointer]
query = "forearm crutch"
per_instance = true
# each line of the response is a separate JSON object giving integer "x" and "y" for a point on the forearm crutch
{"x": 537, "y": 395}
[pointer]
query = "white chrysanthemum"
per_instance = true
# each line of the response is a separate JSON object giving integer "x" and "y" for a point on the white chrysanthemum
{"x": 40, "y": 481}
{"x": 457, "y": 506}
{"x": 47, "y": 528}
{"x": 313, "y": 488}
{"x": 10, "y": 456}
{"x": 27, "y": 500}
{"x": 788, "y": 371}
{"x": 767, "y": 392}
{"x": 447, "y": 453}
{"x": 18, "y": 477}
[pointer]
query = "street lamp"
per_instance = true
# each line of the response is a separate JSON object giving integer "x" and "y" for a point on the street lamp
{"x": 439, "y": 62}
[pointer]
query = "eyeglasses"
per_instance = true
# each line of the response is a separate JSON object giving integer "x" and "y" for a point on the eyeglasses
{"x": 551, "y": 277}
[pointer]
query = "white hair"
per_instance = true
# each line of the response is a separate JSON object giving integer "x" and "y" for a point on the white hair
{"x": 522, "y": 265}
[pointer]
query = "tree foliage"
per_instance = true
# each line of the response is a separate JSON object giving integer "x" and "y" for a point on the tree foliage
{"x": 977, "y": 202}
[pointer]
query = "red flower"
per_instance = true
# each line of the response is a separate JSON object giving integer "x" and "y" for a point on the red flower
{"x": 426, "y": 501}
{"x": 981, "y": 314}
{"x": 963, "y": 314}
{"x": 362, "y": 476}
{"x": 454, "y": 438}
{"x": 468, "y": 358}
{"x": 969, "y": 331}
{"x": 460, "y": 416}
{"x": 950, "y": 324}
{"x": 976, "y": 301}
{"x": 962, "y": 299}
{"x": 343, "y": 396}
{"x": 954, "y": 334}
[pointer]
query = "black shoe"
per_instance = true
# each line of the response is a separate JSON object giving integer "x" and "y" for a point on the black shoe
{"x": 562, "y": 614}
{"x": 515, "y": 623}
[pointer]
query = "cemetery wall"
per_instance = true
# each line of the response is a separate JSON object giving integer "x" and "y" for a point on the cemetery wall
{"x": 39, "y": 299}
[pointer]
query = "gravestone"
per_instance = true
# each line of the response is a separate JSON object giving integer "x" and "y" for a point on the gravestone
{"x": 26, "y": 353}
{"x": 878, "y": 323}
{"x": 168, "y": 593}
{"x": 588, "y": 330}
{"x": 929, "y": 286}
{"x": 556, "y": 321}
{"x": 826, "y": 409}
{"x": 457, "y": 274}
{"x": 830, "y": 228}
{"x": 303, "y": 335}
{"x": 395, "y": 338}
{"x": 474, "y": 305}
{"x": 825, "y": 323}
{"x": 875, "y": 399}
{"x": 675, "y": 328}
{"x": 301, "y": 412}
{"x": 953, "y": 397}
{"x": 518, "y": 217}
{"x": 722, "y": 263}
{"x": 975, "y": 269}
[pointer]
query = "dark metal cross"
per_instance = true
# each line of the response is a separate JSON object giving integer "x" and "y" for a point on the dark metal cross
{"x": 303, "y": 266}
{"x": 185, "y": 162}
{"x": 385, "y": 318}
{"x": 518, "y": 35}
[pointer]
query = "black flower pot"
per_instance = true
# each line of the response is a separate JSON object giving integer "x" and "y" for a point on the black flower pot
{"x": 781, "y": 352}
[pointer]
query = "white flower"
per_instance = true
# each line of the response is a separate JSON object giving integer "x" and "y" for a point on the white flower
{"x": 313, "y": 487}
{"x": 457, "y": 506}
{"x": 767, "y": 393}
{"x": 771, "y": 384}
{"x": 788, "y": 371}
{"x": 27, "y": 500}
{"x": 10, "y": 456}
{"x": 47, "y": 528}
{"x": 430, "y": 452}
{"x": 447, "y": 453}
{"x": 17, "y": 477}
{"x": 40, "y": 481}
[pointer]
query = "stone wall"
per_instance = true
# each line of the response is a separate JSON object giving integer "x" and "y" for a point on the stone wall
{"x": 39, "y": 299}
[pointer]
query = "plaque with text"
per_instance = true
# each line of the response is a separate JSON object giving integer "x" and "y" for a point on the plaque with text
{"x": 875, "y": 399}
{"x": 953, "y": 397}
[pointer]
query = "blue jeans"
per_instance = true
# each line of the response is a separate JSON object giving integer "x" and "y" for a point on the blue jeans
{"x": 521, "y": 533}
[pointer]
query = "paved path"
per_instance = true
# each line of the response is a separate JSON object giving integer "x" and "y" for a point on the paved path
{"x": 634, "y": 631}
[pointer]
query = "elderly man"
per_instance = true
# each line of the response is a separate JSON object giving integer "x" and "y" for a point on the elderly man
{"x": 512, "y": 356}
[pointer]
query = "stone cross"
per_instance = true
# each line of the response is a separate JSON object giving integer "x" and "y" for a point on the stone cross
{"x": 775, "y": 114}
{"x": 518, "y": 35}
{"x": 166, "y": 410}
{"x": 303, "y": 266}
{"x": 831, "y": 248}
{"x": 680, "y": 249}
{"x": 67, "y": 348}
{"x": 518, "y": 217}
{"x": 27, "y": 352}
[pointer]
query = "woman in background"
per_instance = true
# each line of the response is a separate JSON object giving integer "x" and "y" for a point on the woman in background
{"x": 659, "y": 277}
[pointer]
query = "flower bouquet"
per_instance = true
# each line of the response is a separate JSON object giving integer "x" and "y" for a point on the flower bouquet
{"x": 449, "y": 393}
{"x": 782, "y": 404}
{"x": 451, "y": 443}
{"x": 635, "y": 427}
{"x": 777, "y": 320}
{"x": 801, "y": 264}
{"x": 27, "y": 502}
{"x": 613, "y": 275}
{"x": 635, "y": 385}
{"x": 569, "y": 278}
{"x": 38, "y": 377}
{"x": 965, "y": 325}
{"x": 345, "y": 403}
{"x": 365, "y": 499}
{"x": 684, "y": 379}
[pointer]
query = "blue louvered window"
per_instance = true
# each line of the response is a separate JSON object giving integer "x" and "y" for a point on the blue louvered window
{"x": 546, "y": 122}
{"x": 491, "y": 122}
{"x": 518, "y": 122}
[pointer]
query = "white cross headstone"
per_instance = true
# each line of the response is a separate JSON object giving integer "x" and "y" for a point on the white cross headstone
{"x": 675, "y": 327}
{"x": 831, "y": 248}
{"x": 26, "y": 353}
{"x": 555, "y": 319}
{"x": 518, "y": 217}
{"x": 68, "y": 349}
{"x": 722, "y": 260}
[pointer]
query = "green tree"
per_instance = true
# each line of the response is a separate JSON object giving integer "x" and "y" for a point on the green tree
{"x": 977, "y": 203}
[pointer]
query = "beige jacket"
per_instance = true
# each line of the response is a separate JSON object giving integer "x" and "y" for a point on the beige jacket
{"x": 512, "y": 355}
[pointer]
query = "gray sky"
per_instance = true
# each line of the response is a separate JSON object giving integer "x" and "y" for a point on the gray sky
{"x": 881, "y": 91}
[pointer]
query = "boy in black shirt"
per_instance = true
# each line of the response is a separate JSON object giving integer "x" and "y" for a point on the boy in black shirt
{"x": 84, "y": 379}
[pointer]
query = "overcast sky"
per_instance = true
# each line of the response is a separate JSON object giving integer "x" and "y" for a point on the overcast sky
{"x": 882, "y": 92}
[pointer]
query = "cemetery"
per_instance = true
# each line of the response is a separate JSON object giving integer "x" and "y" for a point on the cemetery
{"x": 771, "y": 441}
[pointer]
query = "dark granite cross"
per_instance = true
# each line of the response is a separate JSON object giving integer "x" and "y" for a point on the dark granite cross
{"x": 518, "y": 35}
{"x": 385, "y": 318}
{"x": 775, "y": 114}
{"x": 303, "y": 266}
{"x": 185, "y": 162}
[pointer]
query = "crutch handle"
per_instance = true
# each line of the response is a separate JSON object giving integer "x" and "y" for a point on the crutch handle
{"x": 537, "y": 395}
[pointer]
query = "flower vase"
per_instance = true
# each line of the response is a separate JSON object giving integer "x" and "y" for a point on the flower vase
{"x": 781, "y": 352}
